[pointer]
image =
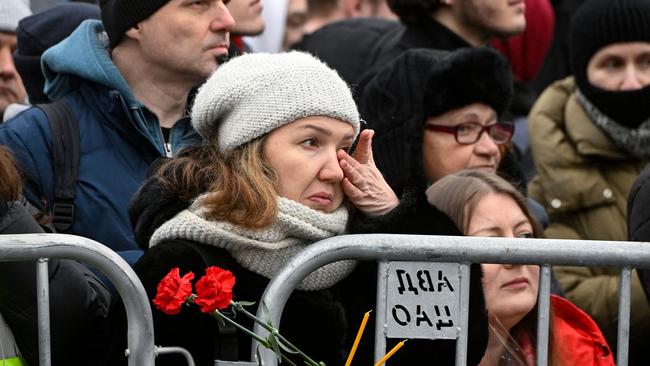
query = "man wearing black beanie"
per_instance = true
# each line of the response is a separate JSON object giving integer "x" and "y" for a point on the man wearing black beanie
{"x": 590, "y": 137}
{"x": 127, "y": 84}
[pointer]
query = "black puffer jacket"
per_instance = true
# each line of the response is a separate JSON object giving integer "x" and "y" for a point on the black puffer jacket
{"x": 78, "y": 301}
{"x": 15, "y": 219}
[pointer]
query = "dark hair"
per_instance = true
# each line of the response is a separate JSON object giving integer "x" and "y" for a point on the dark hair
{"x": 11, "y": 186}
{"x": 321, "y": 7}
{"x": 413, "y": 12}
{"x": 240, "y": 187}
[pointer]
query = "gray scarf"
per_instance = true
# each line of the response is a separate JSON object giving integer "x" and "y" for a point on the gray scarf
{"x": 634, "y": 141}
{"x": 265, "y": 251}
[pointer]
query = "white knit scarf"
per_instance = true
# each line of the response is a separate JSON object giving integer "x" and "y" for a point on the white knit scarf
{"x": 265, "y": 251}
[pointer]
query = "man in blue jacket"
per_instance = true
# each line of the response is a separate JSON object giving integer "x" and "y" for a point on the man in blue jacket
{"x": 127, "y": 84}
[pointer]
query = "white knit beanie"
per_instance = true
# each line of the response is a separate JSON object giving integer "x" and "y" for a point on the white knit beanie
{"x": 12, "y": 11}
{"x": 255, "y": 93}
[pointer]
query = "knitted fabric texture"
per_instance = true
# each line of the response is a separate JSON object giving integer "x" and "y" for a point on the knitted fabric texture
{"x": 422, "y": 83}
{"x": 634, "y": 141}
{"x": 118, "y": 16}
{"x": 256, "y": 93}
{"x": 11, "y": 12}
{"x": 267, "y": 250}
{"x": 599, "y": 23}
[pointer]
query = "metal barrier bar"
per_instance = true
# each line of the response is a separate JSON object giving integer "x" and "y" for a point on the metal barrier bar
{"x": 384, "y": 247}
{"x": 31, "y": 247}
{"x": 624, "y": 297}
{"x": 43, "y": 309}
{"x": 182, "y": 351}
{"x": 543, "y": 318}
{"x": 380, "y": 312}
{"x": 461, "y": 342}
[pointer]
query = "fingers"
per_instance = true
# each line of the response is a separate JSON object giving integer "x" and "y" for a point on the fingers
{"x": 351, "y": 191}
{"x": 351, "y": 172}
{"x": 363, "y": 152}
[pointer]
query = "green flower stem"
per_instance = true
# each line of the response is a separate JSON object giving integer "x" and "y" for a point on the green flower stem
{"x": 216, "y": 314}
{"x": 262, "y": 341}
{"x": 275, "y": 332}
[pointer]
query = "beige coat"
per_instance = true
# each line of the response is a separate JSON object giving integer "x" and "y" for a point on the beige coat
{"x": 583, "y": 181}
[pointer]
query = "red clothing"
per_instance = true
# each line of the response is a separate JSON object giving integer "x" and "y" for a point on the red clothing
{"x": 527, "y": 51}
{"x": 579, "y": 341}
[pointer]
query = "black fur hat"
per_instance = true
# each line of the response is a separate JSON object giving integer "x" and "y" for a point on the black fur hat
{"x": 421, "y": 83}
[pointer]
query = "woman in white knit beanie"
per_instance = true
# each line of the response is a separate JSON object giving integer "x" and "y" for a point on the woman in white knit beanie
{"x": 270, "y": 179}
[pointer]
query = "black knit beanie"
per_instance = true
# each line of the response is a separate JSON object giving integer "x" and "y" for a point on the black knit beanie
{"x": 119, "y": 16}
{"x": 600, "y": 23}
{"x": 422, "y": 83}
{"x": 38, "y": 32}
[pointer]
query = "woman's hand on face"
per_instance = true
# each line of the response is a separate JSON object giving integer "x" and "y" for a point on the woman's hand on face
{"x": 363, "y": 183}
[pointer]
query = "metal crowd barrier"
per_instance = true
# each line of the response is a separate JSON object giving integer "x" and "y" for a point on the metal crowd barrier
{"x": 464, "y": 250}
{"x": 40, "y": 247}
{"x": 378, "y": 247}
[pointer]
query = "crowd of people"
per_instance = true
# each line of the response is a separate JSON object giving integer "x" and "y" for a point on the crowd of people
{"x": 160, "y": 129}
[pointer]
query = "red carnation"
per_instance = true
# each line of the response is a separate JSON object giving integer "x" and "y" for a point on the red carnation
{"x": 214, "y": 290}
{"x": 172, "y": 291}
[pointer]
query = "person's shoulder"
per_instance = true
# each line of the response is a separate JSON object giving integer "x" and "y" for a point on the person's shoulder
{"x": 414, "y": 215}
{"x": 638, "y": 217}
{"x": 187, "y": 255}
{"x": 17, "y": 220}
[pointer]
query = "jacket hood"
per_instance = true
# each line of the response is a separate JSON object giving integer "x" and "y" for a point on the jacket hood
{"x": 83, "y": 56}
{"x": 152, "y": 205}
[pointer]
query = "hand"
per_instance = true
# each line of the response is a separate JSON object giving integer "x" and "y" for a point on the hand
{"x": 363, "y": 183}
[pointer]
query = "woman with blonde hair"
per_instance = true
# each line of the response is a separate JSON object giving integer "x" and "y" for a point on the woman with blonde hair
{"x": 272, "y": 177}
{"x": 471, "y": 199}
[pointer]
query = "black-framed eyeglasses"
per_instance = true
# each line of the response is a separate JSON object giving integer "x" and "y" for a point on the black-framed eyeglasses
{"x": 469, "y": 133}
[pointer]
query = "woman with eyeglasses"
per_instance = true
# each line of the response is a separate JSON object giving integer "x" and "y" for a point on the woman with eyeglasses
{"x": 434, "y": 113}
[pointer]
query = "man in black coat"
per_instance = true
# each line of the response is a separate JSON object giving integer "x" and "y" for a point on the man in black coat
{"x": 356, "y": 48}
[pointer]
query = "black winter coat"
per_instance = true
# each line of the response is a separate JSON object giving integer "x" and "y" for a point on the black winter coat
{"x": 78, "y": 301}
{"x": 638, "y": 218}
{"x": 337, "y": 307}
{"x": 313, "y": 320}
{"x": 414, "y": 215}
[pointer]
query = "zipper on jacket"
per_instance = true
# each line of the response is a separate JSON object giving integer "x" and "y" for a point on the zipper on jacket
{"x": 166, "y": 144}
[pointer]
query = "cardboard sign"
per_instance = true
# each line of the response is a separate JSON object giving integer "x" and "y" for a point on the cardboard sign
{"x": 423, "y": 300}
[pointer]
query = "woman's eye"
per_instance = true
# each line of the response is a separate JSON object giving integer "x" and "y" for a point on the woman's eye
{"x": 525, "y": 235}
{"x": 309, "y": 142}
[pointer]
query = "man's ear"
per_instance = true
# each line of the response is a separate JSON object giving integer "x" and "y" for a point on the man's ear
{"x": 352, "y": 8}
{"x": 133, "y": 32}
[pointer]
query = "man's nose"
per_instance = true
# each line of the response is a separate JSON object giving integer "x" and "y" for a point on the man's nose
{"x": 631, "y": 79}
{"x": 223, "y": 19}
{"x": 7, "y": 67}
